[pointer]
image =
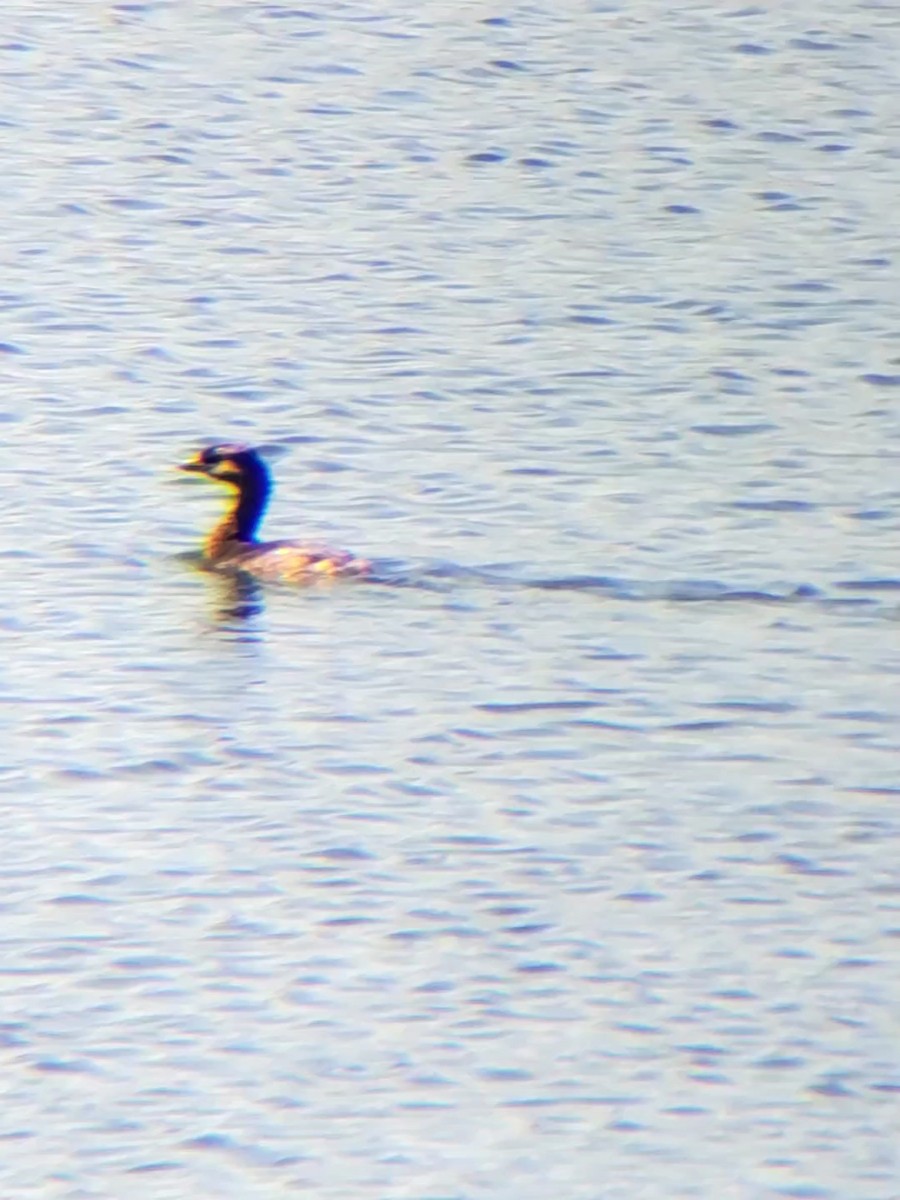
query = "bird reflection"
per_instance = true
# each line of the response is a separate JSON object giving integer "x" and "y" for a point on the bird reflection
{"x": 235, "y": 599}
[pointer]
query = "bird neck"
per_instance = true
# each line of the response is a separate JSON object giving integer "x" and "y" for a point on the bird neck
{"x": 242, "y": 519}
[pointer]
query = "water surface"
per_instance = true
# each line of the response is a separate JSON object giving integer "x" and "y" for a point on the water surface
{"x": 575, "y": 870}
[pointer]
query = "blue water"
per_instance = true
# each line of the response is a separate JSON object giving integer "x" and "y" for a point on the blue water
{"x": 565, "y": 862}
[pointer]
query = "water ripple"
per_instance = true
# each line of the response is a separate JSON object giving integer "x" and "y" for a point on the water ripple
{"x": 568, "y": 855}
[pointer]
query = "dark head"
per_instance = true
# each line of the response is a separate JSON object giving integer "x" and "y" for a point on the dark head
{"x": 241, "y": 468}
{"x": 228, "y": 462}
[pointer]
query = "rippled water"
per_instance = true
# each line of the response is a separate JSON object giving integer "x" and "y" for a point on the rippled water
{"x": 570, "y": 868}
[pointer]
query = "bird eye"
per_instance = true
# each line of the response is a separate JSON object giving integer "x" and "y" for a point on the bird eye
{"x": 226, "y": 468}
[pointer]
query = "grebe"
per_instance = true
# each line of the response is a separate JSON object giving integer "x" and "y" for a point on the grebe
{"x": 232, "y": 544}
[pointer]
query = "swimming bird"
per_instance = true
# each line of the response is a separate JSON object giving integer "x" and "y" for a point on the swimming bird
{"x": 232, "y": 545}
